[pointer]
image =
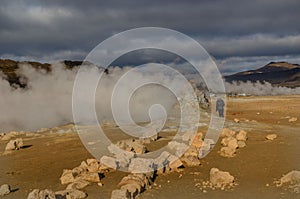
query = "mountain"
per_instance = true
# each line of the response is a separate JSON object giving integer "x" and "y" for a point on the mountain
{"x": 276, "y": 73}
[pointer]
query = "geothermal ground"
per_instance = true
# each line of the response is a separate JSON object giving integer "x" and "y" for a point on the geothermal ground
{"x": 255, "y": 167}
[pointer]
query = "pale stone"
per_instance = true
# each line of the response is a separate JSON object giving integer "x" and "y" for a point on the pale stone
{"x": 14, "y": 144}
{"x": 227, "y": 152}
{"x": 220, "y": 178}
{"x": 72, "y": 194}
{"x": 241, "y": 144}
{"x": 271, "y": 136}
{"x": 78, "y": 184}
{"x": 67, "y": 177}
{"x": 109, "y": 162}
{"x": 90, "y": 177}
{"x": 4, "y": 190}
{"x": 226, "y": 132}
{"x": 242, "y": 136}
{"x": 120, "y": 194}
{"x": 291, "y": 177}
{"x": 293, "y": 119}
{"x": 141, "y": 165}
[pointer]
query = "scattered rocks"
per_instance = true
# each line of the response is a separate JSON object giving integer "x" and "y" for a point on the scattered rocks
{"x": 271, "y": 137}
{"x": 133, "y": 185}
{"x": 221, "y": 179}
{"x": 232, "y": 141}
{"x": 4, "y": 190}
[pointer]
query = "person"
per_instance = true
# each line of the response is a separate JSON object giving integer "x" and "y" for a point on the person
{"x": 220, "y": 107}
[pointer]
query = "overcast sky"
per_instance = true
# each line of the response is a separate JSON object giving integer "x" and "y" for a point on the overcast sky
{"x": 239, "y": 34}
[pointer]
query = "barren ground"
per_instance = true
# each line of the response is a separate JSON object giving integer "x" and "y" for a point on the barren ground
{"x": 255, "y": 167}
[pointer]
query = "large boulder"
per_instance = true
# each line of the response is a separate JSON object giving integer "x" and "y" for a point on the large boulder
{"x": 120, "y": 194}
{"x": 227, "y": 152}
{"x": 141, "y": 165}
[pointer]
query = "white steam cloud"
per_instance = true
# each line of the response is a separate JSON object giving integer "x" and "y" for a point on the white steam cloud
{"x": 258, "y": 88}
{"x": 47, "y": 100}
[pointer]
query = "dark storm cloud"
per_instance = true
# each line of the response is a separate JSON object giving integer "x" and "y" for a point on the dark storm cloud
{"x": 51, "y": 30}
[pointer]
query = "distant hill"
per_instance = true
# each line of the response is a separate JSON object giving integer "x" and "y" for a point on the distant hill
{"x": 9, "y": 67}
{"x": 276, "y": 73}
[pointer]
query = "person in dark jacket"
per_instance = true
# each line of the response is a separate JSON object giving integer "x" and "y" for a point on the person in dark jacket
{"x": 220, "y": 107}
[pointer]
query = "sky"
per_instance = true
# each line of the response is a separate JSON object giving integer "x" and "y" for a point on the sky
{"x": 240, "y": 35}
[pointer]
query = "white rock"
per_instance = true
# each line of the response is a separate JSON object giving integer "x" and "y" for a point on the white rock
{"x": 4, "y": 190}
{"x": 271, "y": 136}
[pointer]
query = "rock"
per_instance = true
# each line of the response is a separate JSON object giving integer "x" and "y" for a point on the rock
{"x": 46, "y": 194}
{"x": 141, "y": 165}
{"x": 241, "y": 144}
{"x": 226, "y": 132}
{"x": 132, "y": 145}
{"x": 6, "y": 137}
{"x": 67, "y": 177}
{"x": 93, "y": 165}
{"x": 78, "y": 184}
{"x": 220, "y": 178}
{"x": 34, "y": 194}
{"x": 109, "y": 162}
{"x": 293, "y": 119}
{"x": 271, "y": 136}
{"x": 292, "y": 177}
{"x": 14, "y": 144}
{"x": 174, "y": 162}
{"x": 41, "y": 194}
{"x": 162, "y": 160}
{"x": 191, "y": 161}
{"x": 230, "y": 142}
{"x": 198, "y": 140}
{"x": 132, "y": 189}
{"x": 242, "y": 136}
{"x": 178, "y": 147}
{"x": 120, "y": 194}
{"x": 4, "y": 190}
{"x": 236, "y": 120}
{"x": 90, "y": 177}
{"x": 227, "y": 152}
{"x": 71, "y": 194}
